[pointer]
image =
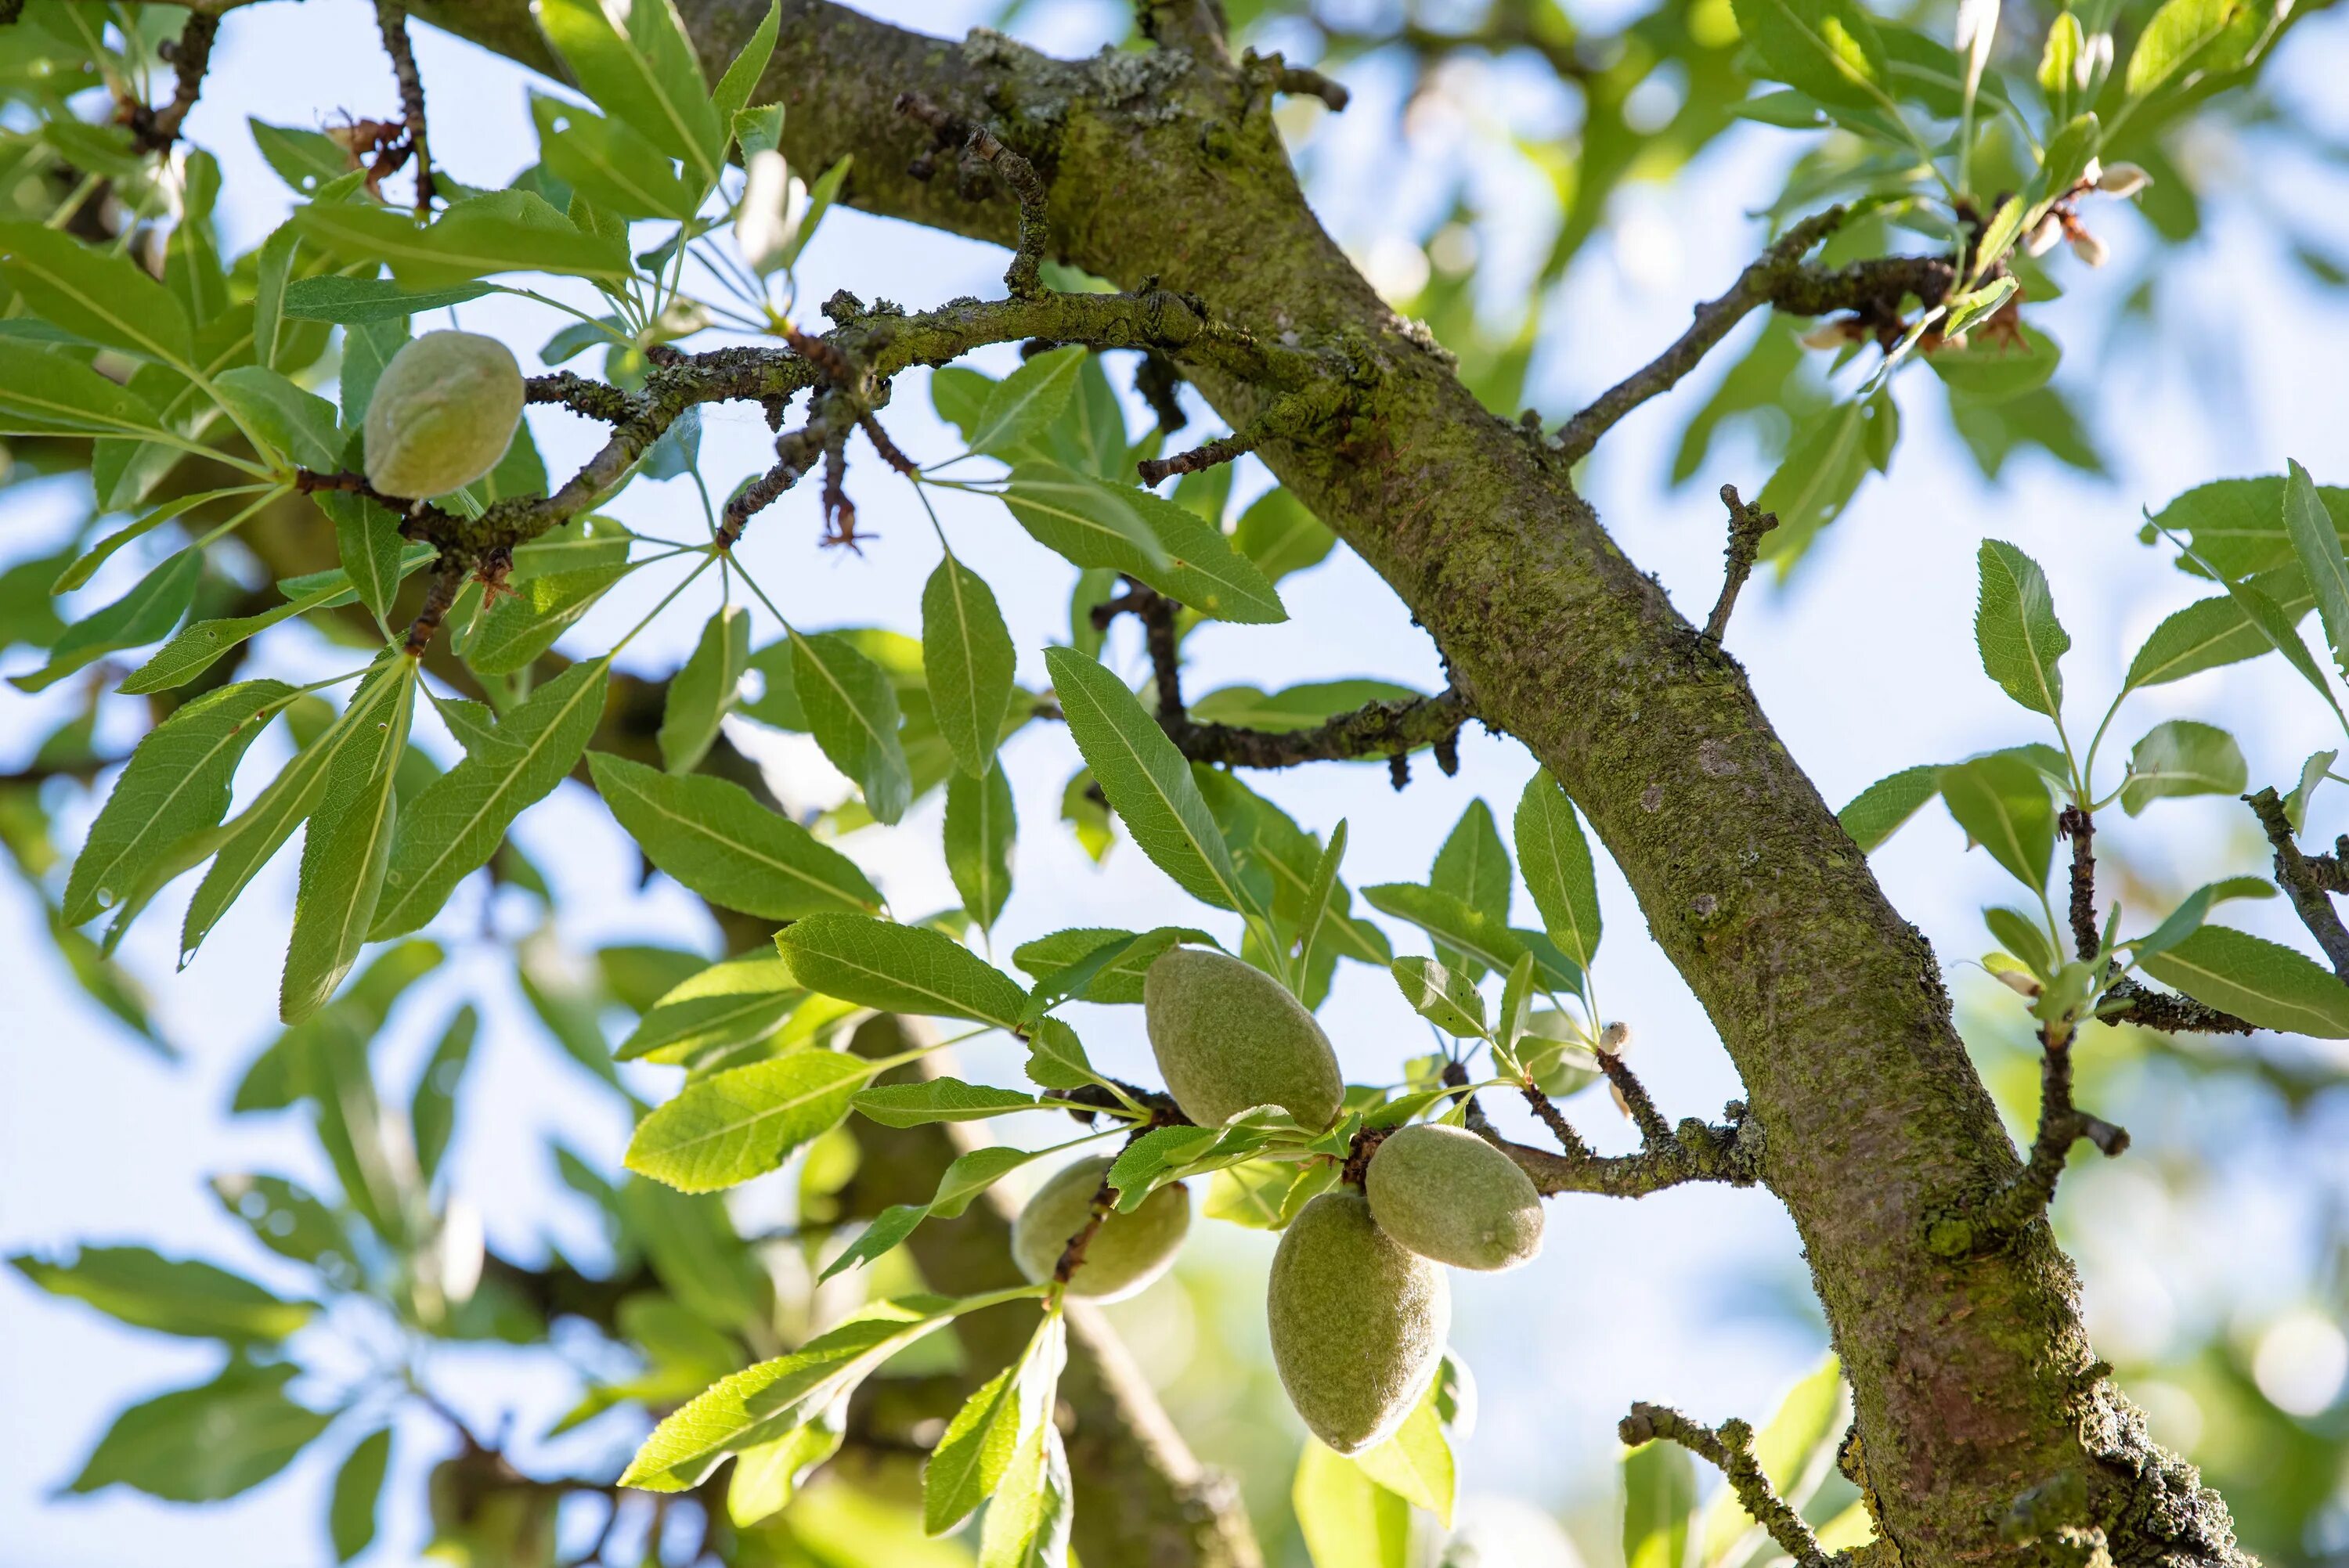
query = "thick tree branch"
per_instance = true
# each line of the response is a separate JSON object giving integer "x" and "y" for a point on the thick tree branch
{"x": 1729, "y": 1448}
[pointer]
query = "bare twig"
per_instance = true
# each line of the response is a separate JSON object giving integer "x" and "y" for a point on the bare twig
{"x": 1293, "y": 415}
{"x": 1729, "y": 1448}
{"x": 391, "y": 20}
{"x": 153, "y": 129}
{"x": 2308, "y": 882}
{"x": 1747, "y": 524}
{"x": 2026, "y": 1197}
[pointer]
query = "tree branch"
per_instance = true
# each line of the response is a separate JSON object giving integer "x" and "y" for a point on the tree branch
{"x": 2308, "y": 882}
{"x": 1729, "y": 1448}
{"x": 2026, "y": 1197}
{"x": 1874, "y": 288}
{"x": 391, "y": 21}
{"x": 1747, "y": 524}
{"x": 191, "y": 54}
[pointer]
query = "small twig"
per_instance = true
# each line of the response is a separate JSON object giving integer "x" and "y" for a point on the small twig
{"x": 1293, "y": 415}
{"x": 1655, "y": 1132}
{"x": 1555, "y": 1119}
{"x": 1729, "y": 1448}
{"x": 391, "y": 20}
{"x": 1873, "y": 288}
{"x": 1155, "y": 380}
{"x": 1747, "y": 524}
{"x": 2168, "y": 1013}
{"x": 2309, "y": 883}
{"x": 1305, "y": 82}
{"x": 886, "y": 448}
{"x": 153, "y": 129}
{"x": 981, "y": 145}
{"x": 2026, "y": 1197}
{"x": 795, "y": 454}
{"x": 446, "y": 580}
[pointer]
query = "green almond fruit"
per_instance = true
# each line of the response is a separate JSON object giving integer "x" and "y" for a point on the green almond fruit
{"x": 1125, "y": 1255}
{"x": 1358, "y": 1322}
{"x": 443, "y": 413}
{"x": 1447, "y": 1194}
{"x": 1227, "y": 1037}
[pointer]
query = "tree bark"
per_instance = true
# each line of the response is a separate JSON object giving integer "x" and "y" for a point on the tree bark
{"x": 1986, "y": 1428}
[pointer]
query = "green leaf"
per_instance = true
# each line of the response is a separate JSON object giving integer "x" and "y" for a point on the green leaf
{"x": 731, "y": 1126}
{"x": 898, "y": 969}
{"x": 2002, "y": 802}
{"x": 1416, "y": 1463}
{"x": 42, "y": 393}
{"x": 1558, "y": 867}
{"x": 1318, "y": 894}
{"x": 2237, "y": 526}
{"x": 2178, "y": 32}
{"x": 256, "y": 833}
{"x": 458, "y": 822}
{"x": 970, "y": 1459}
{"x": 299, "y": 424}
{"x": 367, "y": 536}
{"x": 1827, "y": 48}
{"x": 305, "y": 160}
{"x": 85, "y": 563}
{"x": 2021, "y": 937}
{"x": 1029, "y": 1522}
{"x": 606, "y": 162}
{"x": 521, "y": 628}
{"x": 1469, "y": 933}
{"x": 851, "y": 710}
{"x": 887, "y": 1230}
{"x": 742, "y": 79}
{"x": 1347, "y": 1519}
{"x": 481, "y": 236}
{"x": 1817, "y": 478}
{"x": 352, "y": 301}
{"x": 647, "y": 75}
{"x": 710, "y": 835}
{"x": 1446, "y": 999}
{"x": 145, "y": 615}
{"x": 2191, "y": 911}
{"x": 704, "y": 688}
{"x": 766, "y": 1478}
{"x": 289, "y": 1222}
{"x": 2180, "y": 757}
{"x": 940, "y": 1099}
{"x": 1306, "y": 706}
{"x": 2209, "y": 633}
{"x": 206, "y": 1443}
{"x": 2016, "y": 629}
{"x": 97, "y": 294}
{"x": 2318, "y": 546}
{"x": 1146, "y": 779}
{"x": 196, "y": 646}
{"x": 433, "y": 1112}
{"x": 2068, "y": 152}
{"x": 1877, "y": 811}
{"x": 348, "y": 847}
{"x": 762, "y": 1404}
{"x": 2272, "y": 985}
{"x": 1018, "y": 407}
{"x": 1472, "y": 866}
{"x": 359, "y": 1490}
{"x": 1281, "y": 536}
{"x": 169, "y": 1296}
{"x": 175, "y": 787}
{"x": 1659, "y": 1496}
{"x": 981, "y": 824}
{"x": 2281, "y": 632}
{"x": 728, "y": 1004}
{"x": 1144, "y": 535}
{"x": 967, "y": 658}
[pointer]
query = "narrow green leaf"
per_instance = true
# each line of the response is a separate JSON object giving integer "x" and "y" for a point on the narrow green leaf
{"x": 287, "y": 1220}
{"x": 1029, "y": 1522}
{"x": 609, "y": 164}
{"x": 1659, "y": 1496}
{"x": 432, "y": 1111}
{"x": 169, "y": 1296}
{"x": 967, "y": 658}
{"x": 742, "y": 79}
{"x": 940, "y": 1100}
{"x": 359, "y": 1490}
{"x": 980, "y": 828}
{"x": 2209, "y": 633}
{"x": 647, "y": 75}
{"x": 352, "y": 301}
{"x": 704, "y": 689}
{"x": 299, "y": 424}
{"x": 43, "y": 393}
{"x": 1556, "y": 859}
{"x": 368, "y": 537}
{"x": 2272, "y": 985}
{"x": 710, "y": 835}
{"x": 1280, "y": 535}
{"x": 2016, "y": 629}
{"x": 968, "y": 1463}
{"x": 176, "y": 788}
{"x": 1147, "y": 781}
{"x": 726, "y": 1004}
{"x": 97, "y": 294}
{"x": 1416, "y": 1463}
{"x": 1347, "y": 1519}
{"x": 2178, "y": 32}
{"x": 2318, "y": 547}
{"x": 1443, "y": 998}
{"x": 196, "y": 646}
{"x": 1317, "y": 897}
{"x": 851, "y": 710}
{"x": 519, "y": 629}
{"x": 898, "y": 969}
{"x": 481, "y": 236}
{"x": 1305, "y": 705}
{"x": 86, "y": 564}
{"x": 2002, "y": 802}
{"x": 145, "y": 615}
{"x": 1827, "y": 48}
{"x": 731, "y": 1126}
{"x": 347, "y": 849}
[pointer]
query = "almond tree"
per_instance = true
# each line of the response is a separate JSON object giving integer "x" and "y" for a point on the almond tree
{"x": 1156, "y": 224}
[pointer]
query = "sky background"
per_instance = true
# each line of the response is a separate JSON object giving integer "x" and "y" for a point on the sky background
{"x": 1865, "y": 661}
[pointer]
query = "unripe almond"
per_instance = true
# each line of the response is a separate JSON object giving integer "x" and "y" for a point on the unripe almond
{"x": 443, "y": 413}
{"x": 1126, "y": 1253}
{"x": 1447, "y": 1194}
{"x": 1358, "y": 1322}
{"x": 1227, "y": 1036}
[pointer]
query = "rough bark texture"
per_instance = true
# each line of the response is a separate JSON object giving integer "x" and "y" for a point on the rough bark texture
{"x": 1986, "y": 1429}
